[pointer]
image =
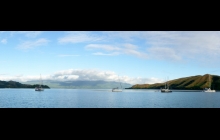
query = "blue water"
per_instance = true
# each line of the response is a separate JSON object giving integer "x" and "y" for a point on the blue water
{"x": 104, "y": 98}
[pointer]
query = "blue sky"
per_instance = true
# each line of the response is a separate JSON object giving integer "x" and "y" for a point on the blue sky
{"x": 136, "y": 57}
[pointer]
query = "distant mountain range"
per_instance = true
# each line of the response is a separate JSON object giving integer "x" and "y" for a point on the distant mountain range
{"x": 81, "y": 84}
{"x": 14, "y": 84}
{"x": 197, "y": 82}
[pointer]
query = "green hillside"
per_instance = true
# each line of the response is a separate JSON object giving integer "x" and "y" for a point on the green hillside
{"x": 14, "y": 84}
{"x": 197, "y": 82}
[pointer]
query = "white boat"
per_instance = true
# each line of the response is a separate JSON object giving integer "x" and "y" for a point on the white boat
{"x": 39, "y": 88}
{"x": 117, "y": 89}
{"x": 208, "y": 89}
{"x": 166, "y": 89}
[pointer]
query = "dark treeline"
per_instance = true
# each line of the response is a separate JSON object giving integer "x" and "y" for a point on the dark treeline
{"x": 14, "y": 84}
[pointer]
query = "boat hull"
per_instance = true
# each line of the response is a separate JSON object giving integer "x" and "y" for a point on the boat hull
{"x": 166, "y": 90}
{"x": 39, "y": 89}
{"x": 208, "y": 90}
{"x": 116, "y": 90}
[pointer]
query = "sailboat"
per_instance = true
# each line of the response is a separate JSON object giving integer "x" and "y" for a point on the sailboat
{"x": 39, "y": 88}
{"x": 117, "y": 89}
{"x": 209, "y": 89}
{"x": 166, "y": 89}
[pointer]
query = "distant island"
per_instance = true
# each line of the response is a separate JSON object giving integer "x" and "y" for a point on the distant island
{"x": 197, "y": 82}
{"x": 14, "y": 84}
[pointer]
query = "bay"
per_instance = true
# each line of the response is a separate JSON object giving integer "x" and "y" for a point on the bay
{"x": 105, "y": 98}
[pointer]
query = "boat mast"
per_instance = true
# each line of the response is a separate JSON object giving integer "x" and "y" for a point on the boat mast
{"x": 165, "y": 83}
{"x": 40, "y": 80}
{"x": 209, "y": 82}
{"x": 119, "y": 82}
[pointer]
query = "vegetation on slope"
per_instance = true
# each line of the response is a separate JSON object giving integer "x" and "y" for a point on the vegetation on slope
{"x": 14, "y": 84}
{"x": 197, "y": 82}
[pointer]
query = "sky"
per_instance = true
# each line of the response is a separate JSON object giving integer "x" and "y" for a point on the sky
{"x": 135, "y": 57}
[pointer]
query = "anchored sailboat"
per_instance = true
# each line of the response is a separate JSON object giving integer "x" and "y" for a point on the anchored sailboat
{"x": 166, "y": 89}
{"x": 209, "y": 89}
{"x": 117, "y": 89}
{"x": 39, "y": 88}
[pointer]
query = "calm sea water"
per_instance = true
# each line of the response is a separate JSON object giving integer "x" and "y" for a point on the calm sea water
{"x": 104, "y": 98}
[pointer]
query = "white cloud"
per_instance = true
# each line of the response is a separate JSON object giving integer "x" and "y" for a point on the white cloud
{"x": 130, "y": 46}
{"x": 67, "y": 77}
{"x": 136, "y": 53}
{"x": 129, "y": 49}
{"x": 103, "y": 47}
{"x": 79, "y": 37}
{"x": 80, "y": 74}
{"x": 178, "y": 44}
{"x": 29, "y": 34}
{"x": 177, "y": 39}
{"x": 4, "y": 41}
{"x": 163, "y": 53}
{"x": 85, "y": 74}
{"x": 133, "y": 50}
{"x": 161, "y": 45}
{"x": 193, "y": 42}
{"x": 196, "y": 46}
{"x": 125, "y": 36}
{"x": 138, "y": 80}
{"x": 32, "y": 44}
{"x": 92, "y": 75}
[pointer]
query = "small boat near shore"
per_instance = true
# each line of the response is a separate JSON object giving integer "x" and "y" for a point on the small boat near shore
{"x": 117, "y": 89}
{"x": 39, "y": 88}
{"x": 209, "y": 89}
{"x": 166, "y": 89}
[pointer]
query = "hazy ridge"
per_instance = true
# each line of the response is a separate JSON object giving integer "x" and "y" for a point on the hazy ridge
{"x": 82, "y": 84}
{"x": 197, "y": 82}
{"x": 14, "y": 84}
